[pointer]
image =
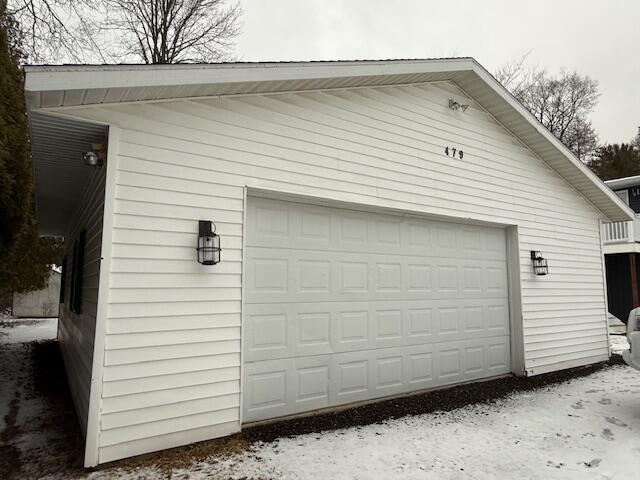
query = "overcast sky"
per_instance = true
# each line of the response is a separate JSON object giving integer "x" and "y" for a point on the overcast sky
{"x": 597, "y": 38}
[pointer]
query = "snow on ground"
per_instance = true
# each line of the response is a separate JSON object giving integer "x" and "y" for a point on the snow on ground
{"x": 27, "y": 329}
{"x": 618, "y": 344}
{"x": 13, "y": 331}
{"x": 588, "y": 428}
{"x": 26, "y": 416}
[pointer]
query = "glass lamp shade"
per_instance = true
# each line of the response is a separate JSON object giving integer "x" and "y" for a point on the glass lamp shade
{"x": 540, "y": 266}
{"x": 208, "y": 244}
{"x": 91, "y": 159}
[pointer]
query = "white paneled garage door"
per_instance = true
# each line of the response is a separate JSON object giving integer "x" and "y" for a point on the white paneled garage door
{"x": 343, "y": 306}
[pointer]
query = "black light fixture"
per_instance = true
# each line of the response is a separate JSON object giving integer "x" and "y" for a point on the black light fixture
{"x": 539, "y": 263}
{"x": 208, "y": 243}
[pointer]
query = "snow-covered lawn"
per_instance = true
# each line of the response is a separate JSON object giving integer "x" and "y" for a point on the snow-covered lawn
{"x": 618, "y": 343}
{"x": 587, "y": 428}
{"x": 27, "y": 330}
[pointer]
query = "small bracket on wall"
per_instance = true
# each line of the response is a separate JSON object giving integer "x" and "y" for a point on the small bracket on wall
{"x": 456, "y": 106}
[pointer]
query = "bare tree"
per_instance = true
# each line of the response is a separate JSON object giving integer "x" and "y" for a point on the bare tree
{"x": 57, "y": 30}
{"x": 148, "y": 31}
{"x": 174, "y": 31}
{"x": 561, "y": 103}
{"x": 512, "y": 72}
{"x": 581, "y": 139}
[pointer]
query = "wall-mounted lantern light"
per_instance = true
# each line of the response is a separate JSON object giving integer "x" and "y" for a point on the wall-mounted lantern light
{"x": 208, "y": 243}
{"x": 453, "y": 105}
{"x": 96, "y": 156}
{"x": 91, "y": 159}
{"x": 539, "y": 263}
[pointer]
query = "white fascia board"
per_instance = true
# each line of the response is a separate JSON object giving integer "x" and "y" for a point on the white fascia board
{"x": 48, "y": 78}
{"x": 624, "y": 182}
{"x": 542, "y": 130}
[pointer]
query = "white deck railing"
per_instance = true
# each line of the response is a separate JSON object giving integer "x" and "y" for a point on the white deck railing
{"x": 617, "y": 232}
{"x": 621, "y": 232}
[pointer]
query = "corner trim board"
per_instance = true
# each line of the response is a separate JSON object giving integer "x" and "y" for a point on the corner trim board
{"x": 91, "y": 454}
{"x": 604, "y": 285}
{"x": 516, "y": 327}
{"x": 243, "y": 289}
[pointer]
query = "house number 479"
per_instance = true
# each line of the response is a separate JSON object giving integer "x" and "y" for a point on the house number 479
{"x": 454, "y": 152}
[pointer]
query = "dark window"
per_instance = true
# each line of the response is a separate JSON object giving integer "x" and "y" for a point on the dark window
{"x": 75, "y": 297}
{"x": 63, "y": 278}
{"x": 74, "y": 261}
{"x": 634, "y": 199}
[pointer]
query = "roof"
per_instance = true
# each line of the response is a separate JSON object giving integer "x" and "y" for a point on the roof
{"x": 623, "y": 182}
{"x": 72, "y": 85}
{"x": 58, "y": 88}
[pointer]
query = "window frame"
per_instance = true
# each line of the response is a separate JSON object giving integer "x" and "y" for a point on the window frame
{"x": 75, "y": 290}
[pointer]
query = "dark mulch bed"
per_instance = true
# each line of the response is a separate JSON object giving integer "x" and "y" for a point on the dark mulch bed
{"x": 439, "y": 400}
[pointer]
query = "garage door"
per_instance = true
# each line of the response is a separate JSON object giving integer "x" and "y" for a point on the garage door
{"x": 343, "y": 306}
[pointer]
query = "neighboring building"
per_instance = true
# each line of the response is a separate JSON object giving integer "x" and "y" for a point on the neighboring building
{"x": 621, "y": 245}
{"x": 39, "y": 303}
{"x": 377, "y": 221}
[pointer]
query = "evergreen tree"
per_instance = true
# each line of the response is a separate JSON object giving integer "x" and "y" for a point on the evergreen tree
{"x": 15, "y": 168}
{"x": 616, "y": 161}
{"x": 25, "y": 257}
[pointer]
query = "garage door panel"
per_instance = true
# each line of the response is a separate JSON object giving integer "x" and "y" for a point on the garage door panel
{"x": 279, "y": 275}
{"x": 265, "y": 389}
{"x": 444, "y": 254}
{"x": 352, "y": 327}
{"x": 298, "y": 329}
{"x": 268, "y": 334}
{"x": 344, "y": 306}
{"x": 278, "y": 224}
{"x": 295, "y": 385}
{"x": 498, "y": 318}
{"x": 498, "y": 356}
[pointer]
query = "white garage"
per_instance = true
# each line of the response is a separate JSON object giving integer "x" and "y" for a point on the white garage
{"x": 343, "y": 306}
{"x": 377, "y": 221}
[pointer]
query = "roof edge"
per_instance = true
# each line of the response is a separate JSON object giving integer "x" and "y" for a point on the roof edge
{"x": 78, "y": 77}
{"x": 196, "y": 66}
{"x": 623, "y": 182}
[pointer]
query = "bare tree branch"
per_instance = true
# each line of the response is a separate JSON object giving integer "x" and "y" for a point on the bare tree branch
{"x": 55, "y": 30}
{"x": 561, "y": 103}
{"x": 149, "y": 31}
{"x": 175, "y": 31}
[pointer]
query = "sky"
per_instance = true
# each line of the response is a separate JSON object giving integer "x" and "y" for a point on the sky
{"x": 600, "y": 39}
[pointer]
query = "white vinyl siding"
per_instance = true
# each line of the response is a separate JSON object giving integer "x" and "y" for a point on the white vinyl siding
{"x": 76, "y": 331}
{"x": 173, "y": 326}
